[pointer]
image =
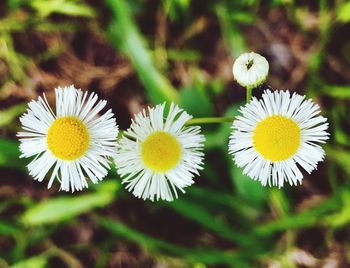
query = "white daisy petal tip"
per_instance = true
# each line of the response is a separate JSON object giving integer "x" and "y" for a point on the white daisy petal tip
{"x": 276, "y": 136}
{"x": 73, "y": 143}
{"x": 158, "y": 155}
{"x": 250, "y": 70}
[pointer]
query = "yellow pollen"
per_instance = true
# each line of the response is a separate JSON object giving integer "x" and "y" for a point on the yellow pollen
{"x": 160, "y": 151}
{"x": 277, "y": 138}
{"x": 68, "y": 138}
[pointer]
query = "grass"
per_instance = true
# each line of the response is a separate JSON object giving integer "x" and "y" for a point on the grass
{"x": 182, "y": 52}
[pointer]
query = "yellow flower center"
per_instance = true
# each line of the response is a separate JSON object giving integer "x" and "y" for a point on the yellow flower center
{"x": 276, "y": 138}
{"x": 68, "y": 138}
{"x": 160, "y": 151}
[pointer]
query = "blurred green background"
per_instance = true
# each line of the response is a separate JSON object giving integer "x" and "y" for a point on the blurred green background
{"x": 140, "y": 52}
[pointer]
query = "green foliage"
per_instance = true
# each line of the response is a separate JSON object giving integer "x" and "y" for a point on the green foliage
{"x": 16, "y": 62}
{"x": 175, "y": 8}
{"x": 34, "y": 262}
{"x": 125, "y": 36}
{"x": 35, "y": 19}
{"x": 183, "y": 55}
{"x": 196, "y": 102}
{"x": 14, "y": 4}
{"x": 63, "y": 208}
{"x": 341, "y": 218}
{"x": 8, "y": 229}
{"x": 65, "y": 7}
{"x": 7, "y": 116}
{"x": 308, "y": 218}
{"x": 199, "y": 214}
{"x": 9, "y": 155}
{"x": 246, "y": 188}
{"x": 233, "y": 39}
{"x": 45, "y": 8}
{"x": 340, "y": 157}
{"x": 343, "y": 12}
{"x": 229, "y": 203}
{"x": 339, "y": 92}
{"x": 206, "y": 256}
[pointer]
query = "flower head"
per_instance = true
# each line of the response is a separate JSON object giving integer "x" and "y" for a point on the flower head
{"x": 73, "y": 142}
{"x": 276, "y": 135}
{"x": 250, "y": 70}
{"x": 158, "y": 155}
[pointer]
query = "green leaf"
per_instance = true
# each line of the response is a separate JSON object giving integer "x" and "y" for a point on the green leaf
{"x": 66, "y": 7}
{"x": 343, "y": 12}
{"x": 35, "y": 262}
{"x": 125, "y": 36}
{"x": 341, "y": 218}
{"x": 16, "y": 62}
{"x": 8, "y": 229}
{"x": 243, "y": 17}
{"x": 206, "y": 256}
{"x": 184, "y": 55}
{"x": 176, "y": 9}
{"x": 200, "y": 215}
{"x": 249, "y": 190}
{"x": 7, "y": 116}
{"x": 15, "y": 4}
{"x": 9, "y": 155}
{"x": 63, "y": 208}
{"x": 340, "y": 92}
{"x": 233, "y": 39}
{"x": 339, "y": 156}
{"x": 237, "y": 206}
{"x": 308, "y": 218}
{"x": 196, "y": 102}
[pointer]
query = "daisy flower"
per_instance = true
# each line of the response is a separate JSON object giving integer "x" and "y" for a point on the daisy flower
{"x": 158, "y": 155}
{"x": 275, "y": 136}
{"x": 73, "y": 143}
{"x": 250, "y": 70}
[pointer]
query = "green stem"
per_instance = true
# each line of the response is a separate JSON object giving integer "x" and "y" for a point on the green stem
{"x": 249, "y": 94}
{"x": 209, "y": 120}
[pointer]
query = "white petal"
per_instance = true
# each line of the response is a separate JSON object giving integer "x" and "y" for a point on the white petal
{"x": 142, "y": 181}
{"x": 312, "y": 130}
{"x": 103, "y": 132}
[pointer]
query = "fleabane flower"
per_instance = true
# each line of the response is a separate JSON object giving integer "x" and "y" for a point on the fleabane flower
{"x": 250, "y": 70}
{"x": 275, "y": 136}
{"x": 74, "y": 142}
{"x": 158, "y": 154}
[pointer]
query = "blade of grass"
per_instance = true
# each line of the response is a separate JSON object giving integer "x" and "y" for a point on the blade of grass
{"x": 233, "y": 39}
{"x": 319, "y": 55}
{"x": 9, "y": 155}
{"x": 206, "y": 256}
{"x": 340, "y": 156}
{"x": 336, "y": 91}
{"x": 342, "y": 217}
{"x": 309, "y": 218}
{"x": 200, "y": 215}
{"x": 65, "y": 7}
{"x": 196, "y": 102}
{"x": 8, "y": 229}
{"x": 125, "y": 36}
{"x": 343, "y": 12}
{"x": 64, "y": 208}
{"x": 34, "y": 262}
{"x": 252, "y": 192}
{"x": 218, "y": 199}
{"x": 7, "y": 116}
